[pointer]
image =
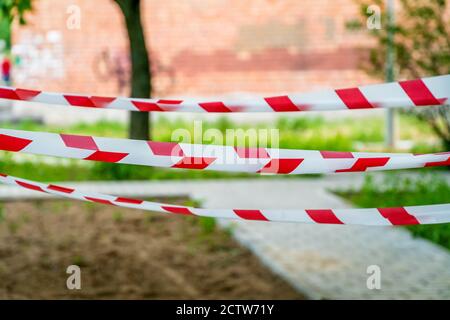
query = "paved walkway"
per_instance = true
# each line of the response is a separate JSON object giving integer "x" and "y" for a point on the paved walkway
{"x": 321, "y": 261}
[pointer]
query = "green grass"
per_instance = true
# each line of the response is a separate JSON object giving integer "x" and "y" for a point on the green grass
{"x": 394, "y": 190}
{"x": 295, "y": 132}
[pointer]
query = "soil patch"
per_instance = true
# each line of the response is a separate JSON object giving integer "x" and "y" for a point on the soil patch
{"x": 125, "y": 254}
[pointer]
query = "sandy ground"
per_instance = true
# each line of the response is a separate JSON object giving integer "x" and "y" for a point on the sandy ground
{"x": 124, "y": 254}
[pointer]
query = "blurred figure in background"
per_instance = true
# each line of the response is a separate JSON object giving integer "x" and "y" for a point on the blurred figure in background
{"x": 6, "y": 69}
{"x": 114, "y": 65}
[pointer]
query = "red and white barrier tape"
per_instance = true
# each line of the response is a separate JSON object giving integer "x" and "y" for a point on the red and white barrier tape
{"x": 375, "y": 216}
{"x": 420, "y": 92}
{"x": 211, "y": 157}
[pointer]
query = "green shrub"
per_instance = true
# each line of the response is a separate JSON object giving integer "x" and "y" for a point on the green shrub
{"x": 396, "y": 190}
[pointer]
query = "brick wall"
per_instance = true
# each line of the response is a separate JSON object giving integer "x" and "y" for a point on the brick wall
{"x": 197, "y": 47}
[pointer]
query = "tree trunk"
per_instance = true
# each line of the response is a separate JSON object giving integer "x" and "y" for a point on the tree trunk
{"x": 139, "y": 127}
{"x": 447, "y": 144}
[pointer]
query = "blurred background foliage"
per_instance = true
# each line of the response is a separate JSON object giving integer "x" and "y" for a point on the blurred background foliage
{"x": 11, "y": 10}
{"x": 425, "y": 189}
{"x": 421, "y": 46}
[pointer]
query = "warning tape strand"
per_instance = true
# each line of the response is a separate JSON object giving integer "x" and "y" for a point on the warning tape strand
{"x": 211, "y": 157}
{"x": 431, "y": 91}
{"x": 412, "y": 215}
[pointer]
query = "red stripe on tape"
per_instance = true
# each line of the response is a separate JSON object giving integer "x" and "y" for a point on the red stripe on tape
{"x": 363, "y": 163}
{"x": 418, "y": 92}
{"x": 438, "y": 163}
{"x": 101, "y": 102}
{"x": 29, "y": 186}
{"x": 106, "y": 156}
{"x": 128, "y": 200}
{"x": 79, "y": 142}
{"x": 214, "y": 107}
{"x": 353, "y": 98}
{"x": 194, "y": 163}
{"x": 165, "y": 148}
{"x": 336, "y": 155}
{"x": 102, "y": 201}
{"x": 9, "y": 143}
{"x": 79, "y": 101}
{"x": 250, "y": 214}
{"x": 323, "y": 216}
{"x": 283, "y": 104}
{"x": 146, "y": 106}
{"x": 251, "y": 153}
{"x": 282, "y": 166}
{"x": 60, "y": 189}
{"x": 26, "y": 95}
{"x": 398, "y": 216}
{"x": 164, "y": 101}
{"x": 177, "y": 210}
{"x": 7, "y": 93}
